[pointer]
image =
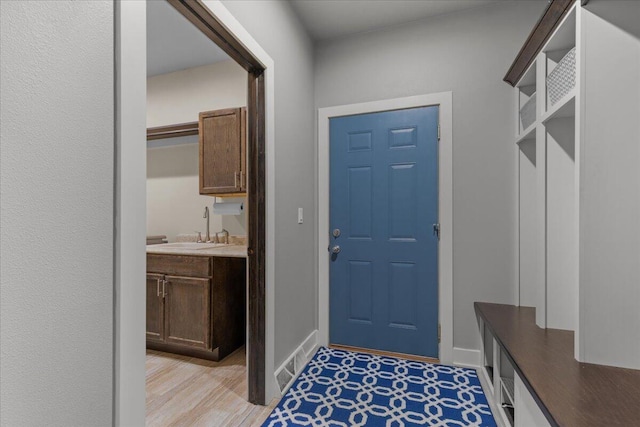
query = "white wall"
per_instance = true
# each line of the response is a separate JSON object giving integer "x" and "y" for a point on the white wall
{"x": 274, "y": 25}
{"x": 467, "y": 53}
{"x": 56, "y": 224}
{"x": 610, "y": 186}
{"x": 174, "y": 205}
{"x": 179, "y": 97}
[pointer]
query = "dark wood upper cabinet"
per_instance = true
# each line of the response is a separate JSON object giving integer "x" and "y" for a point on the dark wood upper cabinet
{"x": 223, "y": 152}
{"x": 155, "y": 308}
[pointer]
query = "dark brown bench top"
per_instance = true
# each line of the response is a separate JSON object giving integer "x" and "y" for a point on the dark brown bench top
{"x": 568, "y": 392}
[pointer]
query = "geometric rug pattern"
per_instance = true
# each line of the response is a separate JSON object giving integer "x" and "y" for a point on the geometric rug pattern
{"x": 341, "y": 388}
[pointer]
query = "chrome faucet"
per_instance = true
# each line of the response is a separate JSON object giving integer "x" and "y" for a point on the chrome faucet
{"x": 206, "y": 215}
{"x": 226, "y": 236}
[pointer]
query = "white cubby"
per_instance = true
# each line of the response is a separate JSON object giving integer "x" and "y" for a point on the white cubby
{"x": 499, "y": 375}
{"x": 526, "y": 92}
{"x": 487, "y": 355}
{"x": 561, "y": 251}
{"x": 547, "y": 183}
{"x": 505, "y": 395}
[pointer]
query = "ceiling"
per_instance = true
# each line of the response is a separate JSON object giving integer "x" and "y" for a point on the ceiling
{"x": 174, "y": 43}
{"x": 327, "y": 19}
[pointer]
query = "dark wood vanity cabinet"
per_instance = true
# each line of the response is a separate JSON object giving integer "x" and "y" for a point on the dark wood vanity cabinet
{"x": 187, "y": 311}
{"x": 196, "y": 304}
{"x": 223, "y": 148}
{"x": 155, "y": 308}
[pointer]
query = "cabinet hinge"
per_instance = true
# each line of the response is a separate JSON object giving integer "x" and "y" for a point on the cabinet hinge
{"x": 438, "y": 131}
{"x": 439, "y": 332}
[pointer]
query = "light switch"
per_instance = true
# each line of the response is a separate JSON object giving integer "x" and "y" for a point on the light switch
{"x": 299, "y": 215}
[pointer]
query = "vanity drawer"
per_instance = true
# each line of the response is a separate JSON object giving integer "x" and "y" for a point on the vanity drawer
{"x": 179, "y": 265}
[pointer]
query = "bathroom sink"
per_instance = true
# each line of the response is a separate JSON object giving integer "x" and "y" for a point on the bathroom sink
{"x": 190, "y": 245}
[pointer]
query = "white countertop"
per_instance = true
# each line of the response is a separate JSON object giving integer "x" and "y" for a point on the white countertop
{"x": 199, "y": 249}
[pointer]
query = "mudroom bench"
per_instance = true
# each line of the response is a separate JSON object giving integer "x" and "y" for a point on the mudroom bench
{"x": 536, "y": 381}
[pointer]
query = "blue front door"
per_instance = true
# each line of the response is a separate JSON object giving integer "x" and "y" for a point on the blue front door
{"x": 384, "y": 202}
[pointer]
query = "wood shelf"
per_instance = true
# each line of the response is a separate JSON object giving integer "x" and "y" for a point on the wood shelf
{"x": 545, "y": 27}
{"x": 568, "y": 392}
{"x": 172, "y": 131}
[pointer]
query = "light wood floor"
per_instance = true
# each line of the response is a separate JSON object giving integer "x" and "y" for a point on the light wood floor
{"x": 184, "y": 391}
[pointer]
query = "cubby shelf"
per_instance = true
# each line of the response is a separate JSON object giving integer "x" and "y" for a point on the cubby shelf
{"x": 529, "y": 133}
{"x": 566, "y": 107}
{"x": 509, "y": 387}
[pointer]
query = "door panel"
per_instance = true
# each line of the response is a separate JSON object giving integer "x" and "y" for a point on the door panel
{"x": 403, "y": 201}
{"x": 360, "y": 291}
{"x": 187, "y": 312}
{"x": 360, "y": 202}
{"x": 155, "y": 308}
{"x": 384, "y": 199}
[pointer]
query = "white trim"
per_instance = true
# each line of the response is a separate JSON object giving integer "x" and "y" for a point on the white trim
{"x": 445, "y": 259}
{"x": 468, "y": 358}
{"x": 130, "y": 214}
{"x": 231, "y": 23}
{"x": 128, "y": 366}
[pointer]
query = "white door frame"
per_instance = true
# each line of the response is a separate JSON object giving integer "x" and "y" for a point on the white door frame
{"x": 444, "y": 100}
{"x": 130, "y": 199}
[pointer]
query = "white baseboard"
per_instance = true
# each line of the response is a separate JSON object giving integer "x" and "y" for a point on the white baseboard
{"x": 300, "y": 357}
{"x": 466, "y": 357}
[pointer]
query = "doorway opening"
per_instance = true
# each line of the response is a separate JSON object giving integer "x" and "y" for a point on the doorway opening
{"x": 186, "y": 338}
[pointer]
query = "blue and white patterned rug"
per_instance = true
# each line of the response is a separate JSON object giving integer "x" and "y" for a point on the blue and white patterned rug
{"x": 348, "y": 389}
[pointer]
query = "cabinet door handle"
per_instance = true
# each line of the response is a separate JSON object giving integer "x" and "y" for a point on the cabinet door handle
{"x": 158, "y": 288}
{"x": 235, "y": 179}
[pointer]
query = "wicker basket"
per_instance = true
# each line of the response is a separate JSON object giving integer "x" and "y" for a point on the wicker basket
{"x": 563, "y": 78}
{"x": 528, "y": 112}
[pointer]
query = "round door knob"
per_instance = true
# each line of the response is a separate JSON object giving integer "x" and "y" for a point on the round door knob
{"x": 335, "y": 249}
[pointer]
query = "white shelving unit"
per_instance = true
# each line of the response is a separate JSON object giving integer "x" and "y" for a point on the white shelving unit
{"x": 578, "y": 198}
{"x": 548, "y": 179}
{"x": 579, "y": 183}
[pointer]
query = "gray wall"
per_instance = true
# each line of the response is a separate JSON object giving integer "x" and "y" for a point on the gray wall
{"x": 56, "y": 223}
{"x": 276, "y": 28}
{"x": 467, "y": 53}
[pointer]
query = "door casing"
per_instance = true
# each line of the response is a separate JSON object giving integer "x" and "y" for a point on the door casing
{"x": 444, "y": 100}
{"x": 130, "y": 48}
